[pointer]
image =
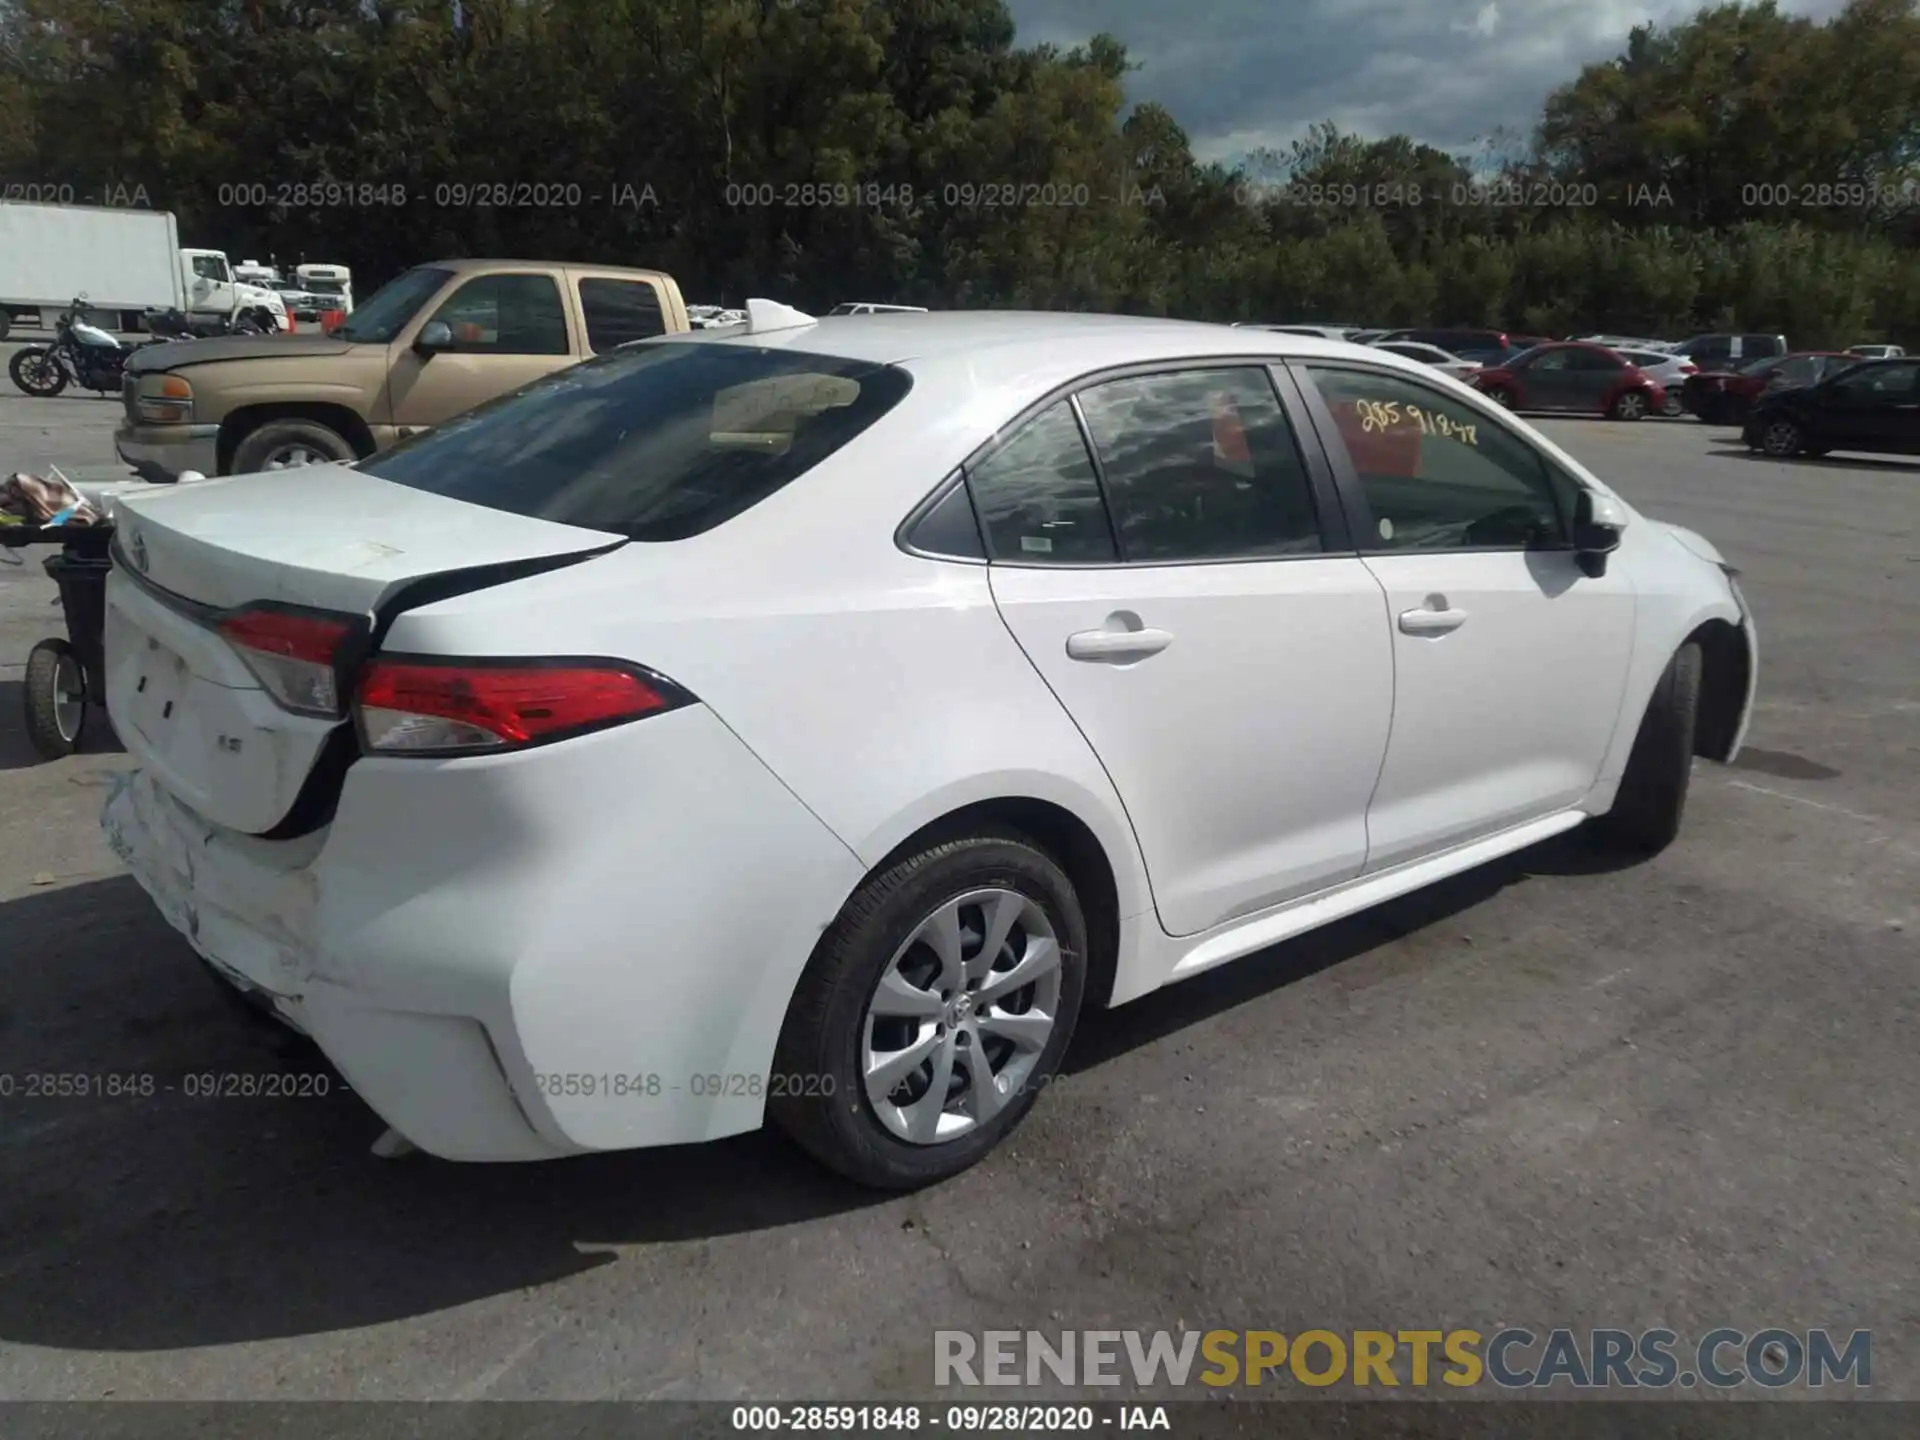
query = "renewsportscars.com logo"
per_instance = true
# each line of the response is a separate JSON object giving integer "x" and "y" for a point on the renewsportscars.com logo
{"x": 1512, "y": 1359}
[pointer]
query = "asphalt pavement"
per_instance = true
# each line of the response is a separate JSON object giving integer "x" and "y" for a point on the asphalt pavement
{"x": 1562, "y": 1091}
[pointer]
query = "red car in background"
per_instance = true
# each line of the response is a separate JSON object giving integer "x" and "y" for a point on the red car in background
{"x": 1574, "y": 379}
{"x": 1724, "y": 397}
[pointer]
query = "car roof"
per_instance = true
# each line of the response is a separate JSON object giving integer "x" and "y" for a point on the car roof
{"x": 1007, "y": 359}
{"x": 1082, "y": 341}
{"x": 484, "y": 263}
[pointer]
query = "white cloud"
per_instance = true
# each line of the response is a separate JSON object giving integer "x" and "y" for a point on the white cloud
{"x": 1241, "y": 75}
{"x": 1482, "y": 24}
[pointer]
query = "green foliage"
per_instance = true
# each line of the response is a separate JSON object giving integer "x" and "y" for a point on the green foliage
{"x": 1745, "y": 166}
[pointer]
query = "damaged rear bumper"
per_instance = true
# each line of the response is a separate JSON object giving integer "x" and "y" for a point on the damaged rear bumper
{"x": 513, "y": 957}
{"x": 250, "y": 909}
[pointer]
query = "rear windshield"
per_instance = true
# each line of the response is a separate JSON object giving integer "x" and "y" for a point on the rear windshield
{"x": 654, "y": 442}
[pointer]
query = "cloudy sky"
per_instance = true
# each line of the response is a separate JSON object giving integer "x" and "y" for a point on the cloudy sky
{"x": 1240, "y": 74}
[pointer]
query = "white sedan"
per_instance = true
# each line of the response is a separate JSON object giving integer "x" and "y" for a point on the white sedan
{"x": 808, "y": 721}
{"x": 1666, "y": 369}
{"x": 1445, "y": 361}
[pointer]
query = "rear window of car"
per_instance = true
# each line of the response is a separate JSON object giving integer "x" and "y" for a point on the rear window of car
{"x": 657, "y": 443}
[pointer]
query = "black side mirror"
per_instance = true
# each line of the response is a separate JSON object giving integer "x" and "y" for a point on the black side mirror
{"x": 1597, "y": 524}
{"x": 434, "y": 336}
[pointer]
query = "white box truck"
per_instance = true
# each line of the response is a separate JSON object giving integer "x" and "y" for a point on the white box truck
{"x": 125, "y": 261}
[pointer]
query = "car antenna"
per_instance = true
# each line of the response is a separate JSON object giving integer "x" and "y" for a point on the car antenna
{"x": 772, "y": 315}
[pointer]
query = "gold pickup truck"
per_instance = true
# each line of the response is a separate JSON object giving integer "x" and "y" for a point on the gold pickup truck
{"x": 438, "y": 340}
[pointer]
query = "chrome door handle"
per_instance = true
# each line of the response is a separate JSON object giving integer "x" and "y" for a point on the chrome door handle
{"x": 1431, "y": 622}
{"x": 1098, "y": 645}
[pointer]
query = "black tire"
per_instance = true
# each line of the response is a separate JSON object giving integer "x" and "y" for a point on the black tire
{"x": 260, "y": 449}
{"x": 1502, "y": 397}
{"x": 1630, "y": 405}
{"x": 820, "y": 1042}
{"x": 35, "y": 371}
{"x": 1782, "y": 439}
{"x": 1653, "y": 792}
{"x": 49, "y": 734}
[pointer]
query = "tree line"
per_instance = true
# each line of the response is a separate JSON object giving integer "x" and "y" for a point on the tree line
{"x": 1744, "y": 168}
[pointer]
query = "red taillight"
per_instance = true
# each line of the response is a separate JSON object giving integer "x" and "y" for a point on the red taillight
{"x": 441, "y": 707}
{"x": 293, "y": 653}
{"x": 1689, "y": 369}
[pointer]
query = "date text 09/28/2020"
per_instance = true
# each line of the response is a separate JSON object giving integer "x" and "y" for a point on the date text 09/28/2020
{"x": 143, "y": 1085}
{"x": 649, "y": 1084}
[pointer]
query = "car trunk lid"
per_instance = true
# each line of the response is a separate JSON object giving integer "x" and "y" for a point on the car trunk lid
{"x": 318, "y": 551}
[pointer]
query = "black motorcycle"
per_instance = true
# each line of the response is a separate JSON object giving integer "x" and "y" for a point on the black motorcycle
{"x": 173, "y": 325}
{"x": 82, "y": 353}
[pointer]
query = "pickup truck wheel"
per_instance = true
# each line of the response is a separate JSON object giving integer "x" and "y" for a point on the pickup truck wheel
{"x": 282, "y": 444}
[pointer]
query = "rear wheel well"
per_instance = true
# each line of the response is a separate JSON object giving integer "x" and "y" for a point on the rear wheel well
{"x": 1725, "y": 669}
{"x": 1074, "y": 848}
{"x": 244, "y": 421}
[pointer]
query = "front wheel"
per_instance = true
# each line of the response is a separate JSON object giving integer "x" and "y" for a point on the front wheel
{"x": 933, "y": 1012}
{"x": 287, "y": 444}
{"x": 38, "y": 372}
{"x": 1653, "y": 792}
{"x": 56, "y": 699}
{"x": 1673, "y": 409}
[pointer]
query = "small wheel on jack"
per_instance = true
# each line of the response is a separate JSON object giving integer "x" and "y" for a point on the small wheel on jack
{"x": 56, "y": 696}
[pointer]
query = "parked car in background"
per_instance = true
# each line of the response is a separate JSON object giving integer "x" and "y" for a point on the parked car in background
{"x": 867, "y": 307}
{"x": 1721, "y": 350}
{"x": 1724, "y": 397}
{"x": 1873, "y": 406}
{"x": 1433, "y": 355}
{"x": 1365, "y": 337}
{"x": 301, "y": 305}
{"x": 1489, "y": 347}
{"x": 1669, "y": 370}
{"x": 1621, "y": 342}
{"x": 1321, "y": 332}
{"x": 435, "y": 342}
{"x": 712, "y": 317}
{"x": 1574, "y": 378}
{"x": 548, "y": 715}
{"x": 1876, "y": 352}
{"x": 331, "y": 285}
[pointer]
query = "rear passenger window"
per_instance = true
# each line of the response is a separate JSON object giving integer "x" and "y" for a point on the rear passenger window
{"x": 619, "y": 312}
{"x": 506, "y": 314}
{"x": 1038, "y": 499}
{"x": 1201, "y": 465}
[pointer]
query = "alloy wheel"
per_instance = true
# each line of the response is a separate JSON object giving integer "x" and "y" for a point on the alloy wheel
{"x": 1630, "y": 406}
{"x": 288, "y": 456}
{"x": 69, "y": 697}
{"x": 961, "y": 1015}
{"x": 1781, "y": 439}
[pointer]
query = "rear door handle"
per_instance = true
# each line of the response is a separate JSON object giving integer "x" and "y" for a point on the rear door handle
{"x": 1109, "y": 645}
{"x": 1431, "y": 621}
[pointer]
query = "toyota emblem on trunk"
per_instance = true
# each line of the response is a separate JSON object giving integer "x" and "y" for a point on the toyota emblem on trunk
{"x": 137, "y": 548}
